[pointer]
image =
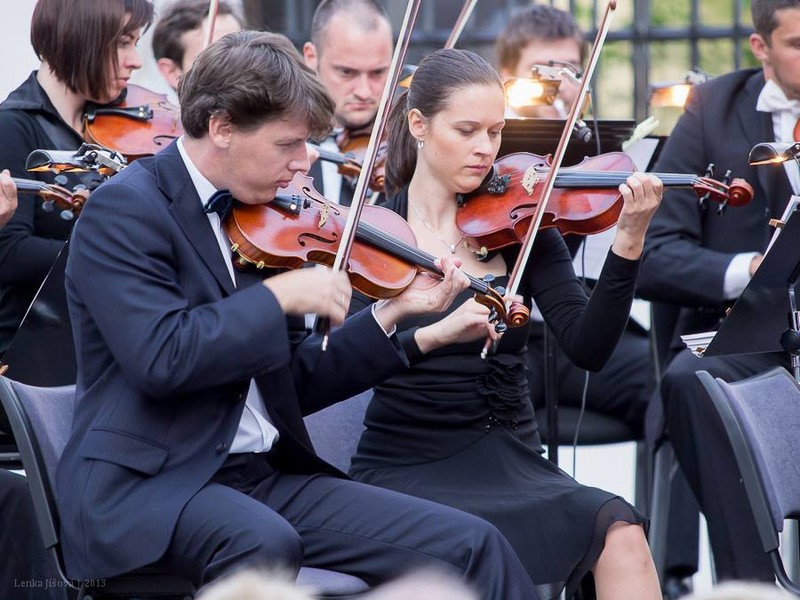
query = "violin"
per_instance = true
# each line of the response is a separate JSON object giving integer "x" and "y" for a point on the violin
{"x": 71, "y": 203}
{"x": 585, "y": 198}
{"x": 301, "y": 226}
{"x": 350, "y": 163}
{"x": 140, "y": 123}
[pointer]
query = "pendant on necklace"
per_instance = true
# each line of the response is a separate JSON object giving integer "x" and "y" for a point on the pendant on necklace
{"x": 452, "y": 248}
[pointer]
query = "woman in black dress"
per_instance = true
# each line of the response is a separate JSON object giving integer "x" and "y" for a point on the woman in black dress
{"x": 460, "y": 430}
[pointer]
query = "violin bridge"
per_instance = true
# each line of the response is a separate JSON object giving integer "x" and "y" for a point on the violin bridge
{"x": 530, "y": 179}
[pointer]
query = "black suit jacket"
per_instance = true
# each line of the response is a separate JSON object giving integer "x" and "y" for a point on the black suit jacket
{"x": 166, "y": 347}
{"x": 688, "y": 248}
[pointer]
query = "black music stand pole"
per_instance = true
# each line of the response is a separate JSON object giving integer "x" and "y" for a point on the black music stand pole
{"x": 550, "y": 392}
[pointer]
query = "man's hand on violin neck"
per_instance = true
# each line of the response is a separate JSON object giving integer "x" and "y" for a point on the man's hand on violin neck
{"x": 317, "y": 290}
{"x": 641, "y": 195}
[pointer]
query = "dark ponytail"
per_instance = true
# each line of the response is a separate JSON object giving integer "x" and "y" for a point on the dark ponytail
{"x": 402, "y": 157}
{"x": 437, "y": 77}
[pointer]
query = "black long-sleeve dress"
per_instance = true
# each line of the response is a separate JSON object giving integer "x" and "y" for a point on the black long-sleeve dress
{"x": 460, "y": 430}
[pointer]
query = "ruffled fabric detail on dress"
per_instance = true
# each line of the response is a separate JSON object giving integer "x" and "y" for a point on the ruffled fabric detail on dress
{"x": 504, "y": 387}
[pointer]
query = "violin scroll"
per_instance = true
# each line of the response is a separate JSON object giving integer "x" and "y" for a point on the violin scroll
{"x": 71, "y": 202}
{"x": 737, "y": 193}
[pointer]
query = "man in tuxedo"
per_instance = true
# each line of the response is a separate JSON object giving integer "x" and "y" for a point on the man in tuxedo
{"x": 188, "y": 450}
{"x": 702, "y": 261}
{"x": 351, "y": 52}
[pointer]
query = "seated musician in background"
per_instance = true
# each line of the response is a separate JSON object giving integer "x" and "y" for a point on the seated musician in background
{"x": 702, "y": 261}
{"x": 536, "y": 35}
{"x": 351, "y": 51}
{"x": 622, "y": 389}
{"x": 88, "y": 52}
{"x": 460, "y": 430}
{"x": 180, "y": 34}
{"x": 188, "y": 451}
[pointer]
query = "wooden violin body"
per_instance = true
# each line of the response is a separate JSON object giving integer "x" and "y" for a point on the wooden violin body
{"x": 141, "y": 124}
{"x": 585, "y": 198}
{"x": 301, "y": 226}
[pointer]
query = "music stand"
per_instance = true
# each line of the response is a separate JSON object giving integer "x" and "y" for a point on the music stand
{"x": 541, "y": 136}
{"x": 757, "y": 323}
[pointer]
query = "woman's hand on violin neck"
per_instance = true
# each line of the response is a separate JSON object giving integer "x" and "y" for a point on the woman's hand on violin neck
{"x": 8, "y": 197}
{"x": 641, "y": 195}
{"x": 427, "y": 294}
{"x": 313, "y": 290}
{"x": 468, "y": 322}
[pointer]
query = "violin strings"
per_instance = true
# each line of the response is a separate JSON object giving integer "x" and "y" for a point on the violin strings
{"x": 600, "y": 178}
{"x": 414, "y": 255}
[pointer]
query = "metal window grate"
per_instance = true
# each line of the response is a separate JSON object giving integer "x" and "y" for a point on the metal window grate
{"x": 638, "y": 42}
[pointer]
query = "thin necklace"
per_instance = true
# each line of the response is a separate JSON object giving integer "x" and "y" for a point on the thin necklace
{"x": 451, "y": 247}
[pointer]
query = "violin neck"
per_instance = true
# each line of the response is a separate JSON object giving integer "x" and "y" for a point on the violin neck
{"x": 413, "y": 255}
{"x": 612, "y": 179}
{"x": 28, "y": 185}
{"x": 329, "y": 155}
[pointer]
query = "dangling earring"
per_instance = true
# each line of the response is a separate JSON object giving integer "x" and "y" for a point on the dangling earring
{"x": 420, "y": 144}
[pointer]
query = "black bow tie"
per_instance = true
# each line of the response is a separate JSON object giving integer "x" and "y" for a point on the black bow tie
{"x": 220, "y": 202}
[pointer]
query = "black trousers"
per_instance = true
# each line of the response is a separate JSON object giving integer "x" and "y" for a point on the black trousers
{"x": 708, "y": 462}
{"x": 622, "y": 389}
{"x": 252, "y": 514}
{"x": 27, "y": 569}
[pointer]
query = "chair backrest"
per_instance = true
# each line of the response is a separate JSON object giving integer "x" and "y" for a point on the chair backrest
{"x": 335, "y": 430}
{"x": 761, "y": 415}
{"x": 41, "y": 420}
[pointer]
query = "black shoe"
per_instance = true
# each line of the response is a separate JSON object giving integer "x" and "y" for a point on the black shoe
{"x": 675, "y": 587}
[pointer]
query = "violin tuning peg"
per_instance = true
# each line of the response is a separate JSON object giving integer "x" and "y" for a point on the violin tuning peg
{"x": 500, "y": 327}
{"x": 722, "y": 206}
{"x": 79, "y": 188}
{"x": 66, "y": 215}
{"x": 61, "y": 180}
{"x": 488, "y": 278}
{"x": 48, "y": 206}
{"x": 703, "y": 200}
{"x": 727, "y": 179}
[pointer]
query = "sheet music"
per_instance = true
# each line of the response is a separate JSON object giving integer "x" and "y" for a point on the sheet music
{"x": 698, "y": 342}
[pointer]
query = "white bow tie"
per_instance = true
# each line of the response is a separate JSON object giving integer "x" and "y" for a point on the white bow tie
{"x": 773, "y": 100}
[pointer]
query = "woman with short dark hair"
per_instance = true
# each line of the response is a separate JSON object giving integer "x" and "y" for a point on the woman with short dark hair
{"x": 88, "y": 52}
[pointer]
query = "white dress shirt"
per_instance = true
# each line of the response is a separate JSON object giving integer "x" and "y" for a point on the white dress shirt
{"x": 256, "y": 433}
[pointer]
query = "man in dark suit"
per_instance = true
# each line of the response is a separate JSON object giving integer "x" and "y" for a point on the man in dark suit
{"x": 351, "y": 51}
{"x": 188, "y": 449}
{"x": 702, "y": 261}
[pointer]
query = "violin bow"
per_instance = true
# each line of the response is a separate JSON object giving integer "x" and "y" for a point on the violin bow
{"x": 515, "y": 279}
{"x": 378, "y": 126}
{"x": 213, "y": 11}
{"x": 461, "y": 22}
